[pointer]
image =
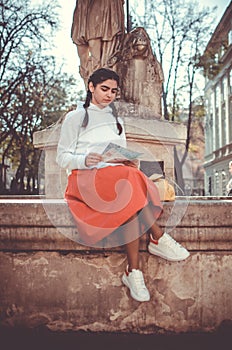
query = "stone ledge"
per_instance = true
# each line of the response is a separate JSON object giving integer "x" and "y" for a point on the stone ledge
{"x": 40, "y": 224}
{"x": 51, "y": 281}
{"x": 72, "y": 292}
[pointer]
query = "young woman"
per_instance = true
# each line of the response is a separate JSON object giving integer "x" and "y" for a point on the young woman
{"x": 110, "y": 200}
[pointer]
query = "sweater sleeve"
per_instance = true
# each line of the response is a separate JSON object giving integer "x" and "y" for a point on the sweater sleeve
{"x": 67, "y": 157}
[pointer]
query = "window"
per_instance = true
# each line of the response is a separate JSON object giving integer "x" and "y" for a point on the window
{"x": 217, "y": 126}
{"x": 216, "y": 184}
{"x": 224, "y": 89}
{"x": 210, "y": 186}
{"x": 230, "y": 37}
{"x": 211, "y": 104}
{"x": 224, "y": 182}
{"x": 230, "y": 119}
{"x": 217, "y": 96}
{"x": 223, "y": 124}
{"x": 230, "y": 82}
{"x": 209, "y": 124}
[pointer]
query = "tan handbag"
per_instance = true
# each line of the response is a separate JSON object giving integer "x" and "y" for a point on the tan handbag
{"x": 166, "y": 190}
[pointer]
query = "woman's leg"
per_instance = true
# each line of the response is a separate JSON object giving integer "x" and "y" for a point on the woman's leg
{"x": 131, "y": 234}
{"x": 132, "y": 251}
{"x": 133, "y": 277}
{"x": 147, "y": 218}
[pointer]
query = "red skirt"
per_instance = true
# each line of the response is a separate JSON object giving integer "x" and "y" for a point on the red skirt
{"x": 102, "y": 200}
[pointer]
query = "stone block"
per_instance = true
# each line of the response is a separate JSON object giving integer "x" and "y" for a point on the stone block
{"x": 75, "y": 292}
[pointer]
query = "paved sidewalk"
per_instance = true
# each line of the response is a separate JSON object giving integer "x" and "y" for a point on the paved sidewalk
{"x": 40, "y": 339}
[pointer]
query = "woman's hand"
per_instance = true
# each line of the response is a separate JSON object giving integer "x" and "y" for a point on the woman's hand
{"x": 133, "y": 163}
{"x": 92, "y": 159}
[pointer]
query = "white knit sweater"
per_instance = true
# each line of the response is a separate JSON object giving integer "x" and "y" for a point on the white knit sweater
{"x": 76, "y": 142}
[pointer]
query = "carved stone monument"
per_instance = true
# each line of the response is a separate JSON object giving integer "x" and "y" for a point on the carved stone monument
{"x": 99, "y": 34}
{"x": 141, "y": 75}
{"x": 98, "y": 31}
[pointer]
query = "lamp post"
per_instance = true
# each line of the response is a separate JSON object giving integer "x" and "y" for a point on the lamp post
{"x": 127, "y": 17}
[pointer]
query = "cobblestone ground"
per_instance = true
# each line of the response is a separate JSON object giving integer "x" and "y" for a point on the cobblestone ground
{"x": 43, "y": 339}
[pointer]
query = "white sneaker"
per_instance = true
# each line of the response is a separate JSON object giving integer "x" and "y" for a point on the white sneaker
{"x": 167, "y": 248}
{"x": 135, "y": 282}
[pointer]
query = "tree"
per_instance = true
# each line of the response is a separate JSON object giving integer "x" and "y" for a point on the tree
{"x": 33, "y": 90}
{"x": 21, "y": 32}
{"x": 38, "y": 102}
{"x": 179, "y": 31}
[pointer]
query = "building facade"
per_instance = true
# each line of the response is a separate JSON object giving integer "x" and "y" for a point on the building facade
{"x": 217, "y": 63}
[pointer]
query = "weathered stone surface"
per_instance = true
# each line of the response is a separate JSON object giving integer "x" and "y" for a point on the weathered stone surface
{"x": 141, "y": 74}
{"x": 79, "y": 292}
{"x": 47, "y": 224}
{"x": 48, "y": 279}
{"x": 191, "y": 212}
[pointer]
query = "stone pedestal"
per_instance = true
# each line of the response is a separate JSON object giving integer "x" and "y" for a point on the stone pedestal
{"x": 55, "y": 178}
{"x": 154, "y": 138}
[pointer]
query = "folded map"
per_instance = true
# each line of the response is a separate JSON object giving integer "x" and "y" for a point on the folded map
{"x": 114, "y": 152}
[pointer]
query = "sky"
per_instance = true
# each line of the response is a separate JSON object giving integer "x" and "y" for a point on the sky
{"x": 66, "y": 51}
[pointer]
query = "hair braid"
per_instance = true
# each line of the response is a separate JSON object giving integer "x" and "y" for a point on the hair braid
{"x": 86, "y": 105}
{"x": 88, "y": 99}
{"x": 115, "y": 114}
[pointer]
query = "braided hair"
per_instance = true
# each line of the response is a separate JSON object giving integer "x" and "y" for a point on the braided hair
{"x": 98, "y": 77}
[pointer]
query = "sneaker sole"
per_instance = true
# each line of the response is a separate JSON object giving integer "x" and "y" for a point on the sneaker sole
{"x": 165, "y": 257}
{"x": 124, "y": 280}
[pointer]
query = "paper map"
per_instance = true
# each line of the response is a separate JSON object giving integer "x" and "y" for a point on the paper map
{"x": 114, "y": 152}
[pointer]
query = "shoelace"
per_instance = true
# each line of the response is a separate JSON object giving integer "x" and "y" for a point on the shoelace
{"x": 138, "y": 279}
{"x": 171, "y": 241}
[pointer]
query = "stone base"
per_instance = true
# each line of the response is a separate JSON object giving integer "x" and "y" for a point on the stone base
{"x": 78, "y": 292}
{"x": 154, "y": 138}
{"x": 49, "y": 280}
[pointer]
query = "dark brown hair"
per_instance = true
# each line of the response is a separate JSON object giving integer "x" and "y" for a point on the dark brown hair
{"x": 98, "y": 77}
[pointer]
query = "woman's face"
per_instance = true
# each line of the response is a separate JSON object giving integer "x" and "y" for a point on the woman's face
{"x": 104, "y": 93}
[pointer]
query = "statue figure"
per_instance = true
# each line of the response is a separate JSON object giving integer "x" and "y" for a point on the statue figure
{"x": 97, "y": 30}
{"x": 141, "y": 73}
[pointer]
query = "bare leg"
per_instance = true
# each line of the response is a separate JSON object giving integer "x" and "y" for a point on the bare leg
{"x": 132, "y": 251}
{"x": 133, "y": 277}
{"x": 132, "y": 248}
{"x": 148, "y": 219}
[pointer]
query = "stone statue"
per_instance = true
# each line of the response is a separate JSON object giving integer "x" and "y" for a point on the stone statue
{"x": 99, "y": 34}
{"x": 141, "y": 73}
{"x": 97, "y": 30}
